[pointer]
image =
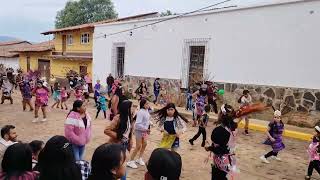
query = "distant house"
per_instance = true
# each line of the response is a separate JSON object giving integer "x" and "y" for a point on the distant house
{"x": 36, "y": 57}
{"x": 270, "y": 49}
{"x": 8, "y": 58}
{"x": 73, "y": 46}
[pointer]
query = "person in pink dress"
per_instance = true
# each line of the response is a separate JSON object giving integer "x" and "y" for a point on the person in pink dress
{"x": 79, "y": 94}
{"x": 88, "y": 80}
{"x": 42, "y": 95}
{"x": 64, "y": 98}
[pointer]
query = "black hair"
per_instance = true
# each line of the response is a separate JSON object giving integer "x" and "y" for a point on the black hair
{"x": 125, "y": 116}
{"x": 207, "y": 108}
{"x": 36, "y": 146}
{"x": 57, "y": 162}
{"x": 6, "y": 130}
{"x": 76, "y": 104}
{"x": 142, "y": 103}
{"x": 17, "y": 160}
{"x": 105, "y": 158}
{"x": 164, "y": 163}
{"x": 245, "y": 92}
{"x": 162, "y": 113}
{"x": 226, "y": 117}
{"x": 157, "y": 78}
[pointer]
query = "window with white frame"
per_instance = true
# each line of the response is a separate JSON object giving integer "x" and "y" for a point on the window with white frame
{"x": 85, "y": 38}
{"x": 69, "y": 39}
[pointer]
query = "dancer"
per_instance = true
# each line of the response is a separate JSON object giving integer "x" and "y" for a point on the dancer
{"x": 79, "y": 94}
{"x": 201, "y": 101}
{"x": 116, "y": 100}
{"x": 274, "y": 133}
{"x": 222, "y": 137}
{"x": 42, "y": 95}
{"x": 142, "y": 91}
{"x": 25, "y": 89}
{"x": 56, "y": 94}
{"x": 120, "y": 128}
{"x": 156, "y": 90}
{"x": 64, "y": 97}
{"x": 202, "y": 127}
{"x": 313, "y": 152}
{"x": 189, "y": 100}
{"x": 7, "y": 88}
{"x": 245, "y": 100}
{"x": 78, "y": 129}
{"x": 97, "y": 88}
{"x": 102, "y": 104}
{"x": 110, "y": 81}
{"x": 142, "y": 131}
{"x": 172, "y": 124}
{"x": 212, "y": 97}
{"x": 86, "y": 92}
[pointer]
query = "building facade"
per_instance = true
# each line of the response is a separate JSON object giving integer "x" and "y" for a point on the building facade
{"x": 8, "y": 58}
{"x": 270, "y": 50}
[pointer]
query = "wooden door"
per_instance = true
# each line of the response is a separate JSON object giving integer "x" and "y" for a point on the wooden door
{"x": 44, "y": 68}
{"x": 83, "y": 70}
{"x": 196, "y": 65}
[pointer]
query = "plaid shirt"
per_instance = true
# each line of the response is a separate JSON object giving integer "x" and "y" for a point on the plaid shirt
{"x": 85, "y": 168}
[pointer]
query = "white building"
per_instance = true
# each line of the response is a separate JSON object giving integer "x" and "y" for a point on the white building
{"x": 267, "y": 45}
{"x": 8, "y": 58}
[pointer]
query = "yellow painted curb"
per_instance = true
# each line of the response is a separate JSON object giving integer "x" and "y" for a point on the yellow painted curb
{"x": 287, "y": 133}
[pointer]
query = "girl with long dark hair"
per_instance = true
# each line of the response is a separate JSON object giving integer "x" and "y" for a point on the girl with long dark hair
{"x": 172, "y": 124}
{"x": 120, "y": 128}
{"x": 78, "y": 128}
{"x": 222, "y": 146}
{"x": 108, "y": 162}
{"x": 116, "y": 100}
{"x": 142, "y": 91}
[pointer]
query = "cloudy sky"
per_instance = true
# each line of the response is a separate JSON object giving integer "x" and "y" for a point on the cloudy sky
{"x": 26, "y": 19}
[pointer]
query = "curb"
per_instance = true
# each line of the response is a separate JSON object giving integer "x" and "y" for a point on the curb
{"x": 262, "y": 128}
{"x": 287, "y": 133}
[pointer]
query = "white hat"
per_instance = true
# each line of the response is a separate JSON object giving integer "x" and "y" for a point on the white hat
{"x": 317, "y": 128}
{"x": 277, "y": 113}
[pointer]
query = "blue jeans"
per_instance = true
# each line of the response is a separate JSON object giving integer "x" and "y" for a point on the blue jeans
{"x": 78, "y": 152}
{"x": 124, "y": 177}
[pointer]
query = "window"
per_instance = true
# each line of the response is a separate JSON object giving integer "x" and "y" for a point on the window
{"x": 120, "y": 61}
{"x": 69, "y": 39}
{"x": 28, "y": 63}
{"x": 85, "y": 38}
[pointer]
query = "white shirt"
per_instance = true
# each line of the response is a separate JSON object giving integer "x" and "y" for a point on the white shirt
{"x": 143, "y": 120}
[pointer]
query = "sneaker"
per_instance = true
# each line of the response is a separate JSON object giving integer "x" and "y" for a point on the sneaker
{"x": 35, "y": 120}
{"x": 132, "y": 165}
{"x": 246, "y": 133}
{"x": 140, "y": 162}
{"x": 44, "y": 120}
{"x": 191, "y": 142}
{"x": 264, "y": 159}
{"x": 307, "y": 177}
{"x": 276, "y": 158}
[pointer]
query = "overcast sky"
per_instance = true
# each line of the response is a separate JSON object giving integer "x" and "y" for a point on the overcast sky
{"x": 26, "y": 19}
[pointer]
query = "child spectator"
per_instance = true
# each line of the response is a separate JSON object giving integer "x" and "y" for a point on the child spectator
{"x": 36, "y": 146}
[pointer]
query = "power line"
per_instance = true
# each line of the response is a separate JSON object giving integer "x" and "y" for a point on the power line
{"x": 163, "y": 20}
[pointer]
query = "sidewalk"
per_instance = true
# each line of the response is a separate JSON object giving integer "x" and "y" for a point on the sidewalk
{"x": 255, "y": 124}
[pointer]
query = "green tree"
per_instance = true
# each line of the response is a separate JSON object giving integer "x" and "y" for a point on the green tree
{"x": 167, "y": 13}
{"x": 85, "y": 11}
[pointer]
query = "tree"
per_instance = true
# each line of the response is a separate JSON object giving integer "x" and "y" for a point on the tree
{"x": 85, "y": 11}
{"x": 167, "y": 13}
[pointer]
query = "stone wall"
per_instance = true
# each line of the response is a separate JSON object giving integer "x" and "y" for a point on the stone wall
{"x": 299, "y": 106}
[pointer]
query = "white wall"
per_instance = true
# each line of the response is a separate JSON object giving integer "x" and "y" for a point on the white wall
{"x": 10, "y": 62}
{"x": 275, "y": 45}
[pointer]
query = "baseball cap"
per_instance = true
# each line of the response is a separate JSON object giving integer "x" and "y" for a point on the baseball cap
{"x": 164, "y": 165}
